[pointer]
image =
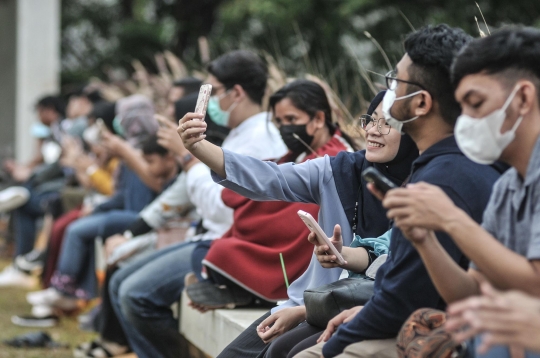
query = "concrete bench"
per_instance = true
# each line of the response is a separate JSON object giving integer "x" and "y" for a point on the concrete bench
{"x": 212, "y": 331}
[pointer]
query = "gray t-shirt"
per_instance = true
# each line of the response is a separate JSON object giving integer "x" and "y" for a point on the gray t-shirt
{"x": 513, "y": 212}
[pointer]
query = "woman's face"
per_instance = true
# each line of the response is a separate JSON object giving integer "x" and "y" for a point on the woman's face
{"x": 381, "y": 148}
{"x": 285, "y": 113}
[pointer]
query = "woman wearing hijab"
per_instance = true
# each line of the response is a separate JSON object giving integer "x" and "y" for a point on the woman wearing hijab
{"x": 334, "y": 183}
{"x": 300, "y": 109}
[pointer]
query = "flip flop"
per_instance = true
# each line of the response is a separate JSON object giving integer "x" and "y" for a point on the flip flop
{"x": 33, "y": 340}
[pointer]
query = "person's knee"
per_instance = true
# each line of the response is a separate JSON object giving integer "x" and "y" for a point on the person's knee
{"x": 133, "y": 302}
{"x": 74, "y": 229}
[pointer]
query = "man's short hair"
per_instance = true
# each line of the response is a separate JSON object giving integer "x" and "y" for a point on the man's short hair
{"x": 511, "y": 52}
{"x": 54, "y": 103}
{"x": 189, "y": 84}
{"x": 432, "y": 50}
{"x": 242, "y": 68}
{"x": 150, "y": 146}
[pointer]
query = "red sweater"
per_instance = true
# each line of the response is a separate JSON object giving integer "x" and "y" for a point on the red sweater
{"x": 248, "y": 253}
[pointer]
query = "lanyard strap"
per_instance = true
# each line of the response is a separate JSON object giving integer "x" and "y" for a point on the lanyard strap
{"x": 355, "y": 217}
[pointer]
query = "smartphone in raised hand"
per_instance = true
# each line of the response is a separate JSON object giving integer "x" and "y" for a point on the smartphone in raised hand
{"x": 202, "y": 101}
{"x": 382, "y": 183}
{"x": 314, "y": 227}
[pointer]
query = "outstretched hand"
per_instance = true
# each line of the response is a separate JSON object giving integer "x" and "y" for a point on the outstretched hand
{"x": 168, "y": 136}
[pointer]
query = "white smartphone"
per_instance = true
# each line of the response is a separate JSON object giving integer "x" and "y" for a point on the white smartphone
{"x": 321, "y": 236}
{"x": 202, "y": 101}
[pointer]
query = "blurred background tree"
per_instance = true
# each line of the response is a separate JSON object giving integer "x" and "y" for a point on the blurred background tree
{"x": 322, "y": 37}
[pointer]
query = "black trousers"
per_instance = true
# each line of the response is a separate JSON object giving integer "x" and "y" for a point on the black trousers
{"x": 295, "y": 341}
{"x": 249, "y": 345}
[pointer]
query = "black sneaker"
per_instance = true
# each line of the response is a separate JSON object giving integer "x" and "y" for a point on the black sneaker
{"x": 31, "y": 262}
{"x": 214, "y": 296}
{"x": 33, "y": 321}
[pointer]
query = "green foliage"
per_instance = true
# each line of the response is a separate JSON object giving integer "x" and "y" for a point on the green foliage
{"x": 323, "y": 37}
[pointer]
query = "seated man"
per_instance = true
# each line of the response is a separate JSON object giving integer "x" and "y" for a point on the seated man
{"x": 40, "y": 180}
{"x": 428, "y": 115}
{"x": 498, "y": 86}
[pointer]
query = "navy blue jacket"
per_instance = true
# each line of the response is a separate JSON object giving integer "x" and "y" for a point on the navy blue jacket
{"x": 402, "y": 284}
{"x": 131, "y": 194}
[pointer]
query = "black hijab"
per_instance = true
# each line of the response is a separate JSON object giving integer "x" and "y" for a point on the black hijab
{"x": 351, "y": 187}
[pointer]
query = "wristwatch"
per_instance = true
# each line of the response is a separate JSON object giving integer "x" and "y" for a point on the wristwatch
{"x": 186, "y": 159}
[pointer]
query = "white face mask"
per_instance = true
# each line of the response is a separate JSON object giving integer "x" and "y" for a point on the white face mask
{"x": 388, "y": 102}
{"x": 480, "y": 139}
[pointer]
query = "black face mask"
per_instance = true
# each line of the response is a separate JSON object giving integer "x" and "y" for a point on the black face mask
{"x": 291, "y": 142}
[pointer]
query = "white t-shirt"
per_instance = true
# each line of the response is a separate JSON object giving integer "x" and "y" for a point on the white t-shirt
{"x": 256, "y": 137}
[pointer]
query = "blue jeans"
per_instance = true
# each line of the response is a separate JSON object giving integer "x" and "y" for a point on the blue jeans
{"x": 25, "y": 219}
{"x": 495, "y": 352}
{"x": 75, "y": 274}
{"x": 142, "y": 293}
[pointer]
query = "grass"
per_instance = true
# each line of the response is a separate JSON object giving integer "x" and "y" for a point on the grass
{"x": 13, "y": 301}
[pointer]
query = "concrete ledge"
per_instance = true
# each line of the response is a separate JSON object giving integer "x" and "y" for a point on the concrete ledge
{"x": 211, "y": 332}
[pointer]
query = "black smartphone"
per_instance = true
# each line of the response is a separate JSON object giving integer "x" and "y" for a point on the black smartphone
{"x": 383, "y": 184}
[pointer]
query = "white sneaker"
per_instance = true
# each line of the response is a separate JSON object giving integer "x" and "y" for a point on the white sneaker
{"x": 13, "y": 197}
{"x": 42, "y": 311}
{"x": 11, "y": 277}
{"x": 52, "y": 298}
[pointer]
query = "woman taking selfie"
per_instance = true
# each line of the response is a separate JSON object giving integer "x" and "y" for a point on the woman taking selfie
{"x": 334, "y": 183}
{"x": 256, "y": 240}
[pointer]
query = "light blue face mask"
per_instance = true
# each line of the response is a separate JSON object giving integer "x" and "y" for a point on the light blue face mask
{"x": 40, "y": 130}
{"x": 117, "y": 125}
{"x": 219, "y": 116}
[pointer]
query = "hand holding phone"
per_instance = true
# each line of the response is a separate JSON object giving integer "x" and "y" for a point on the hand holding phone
{"x": 202, "y": 101}
{"x": 101, "y": 128}
{"x": 314, "y": 227}
{"x": 382, "y": 184}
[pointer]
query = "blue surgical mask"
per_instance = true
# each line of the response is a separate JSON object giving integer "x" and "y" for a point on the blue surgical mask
{"x": 219, "y": 116}
{"x": 117, "y": 125}
{"x": 40, "y": 130}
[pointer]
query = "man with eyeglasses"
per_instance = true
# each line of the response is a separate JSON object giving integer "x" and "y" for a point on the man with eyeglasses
{"x": 420, "y": 102}
{"x": 497, "y": 81}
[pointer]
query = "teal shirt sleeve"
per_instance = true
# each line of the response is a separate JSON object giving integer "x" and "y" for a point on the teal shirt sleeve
{"x": 376, "y": 245}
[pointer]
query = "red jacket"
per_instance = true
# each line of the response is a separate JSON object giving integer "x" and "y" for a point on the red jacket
{"x": 248, "y": 254}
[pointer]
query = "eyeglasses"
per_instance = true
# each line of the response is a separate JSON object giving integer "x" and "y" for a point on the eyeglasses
{"x": 367, "y": 122}
{"x": 392, "y": 81}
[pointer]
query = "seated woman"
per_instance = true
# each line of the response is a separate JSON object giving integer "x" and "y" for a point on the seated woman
{"x": 263, "y": 230}
{"x": 335, "y": 183}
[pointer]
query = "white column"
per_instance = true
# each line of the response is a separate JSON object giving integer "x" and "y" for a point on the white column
{"x": 37, "y": 65}
{"x": 8, "y": 10}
